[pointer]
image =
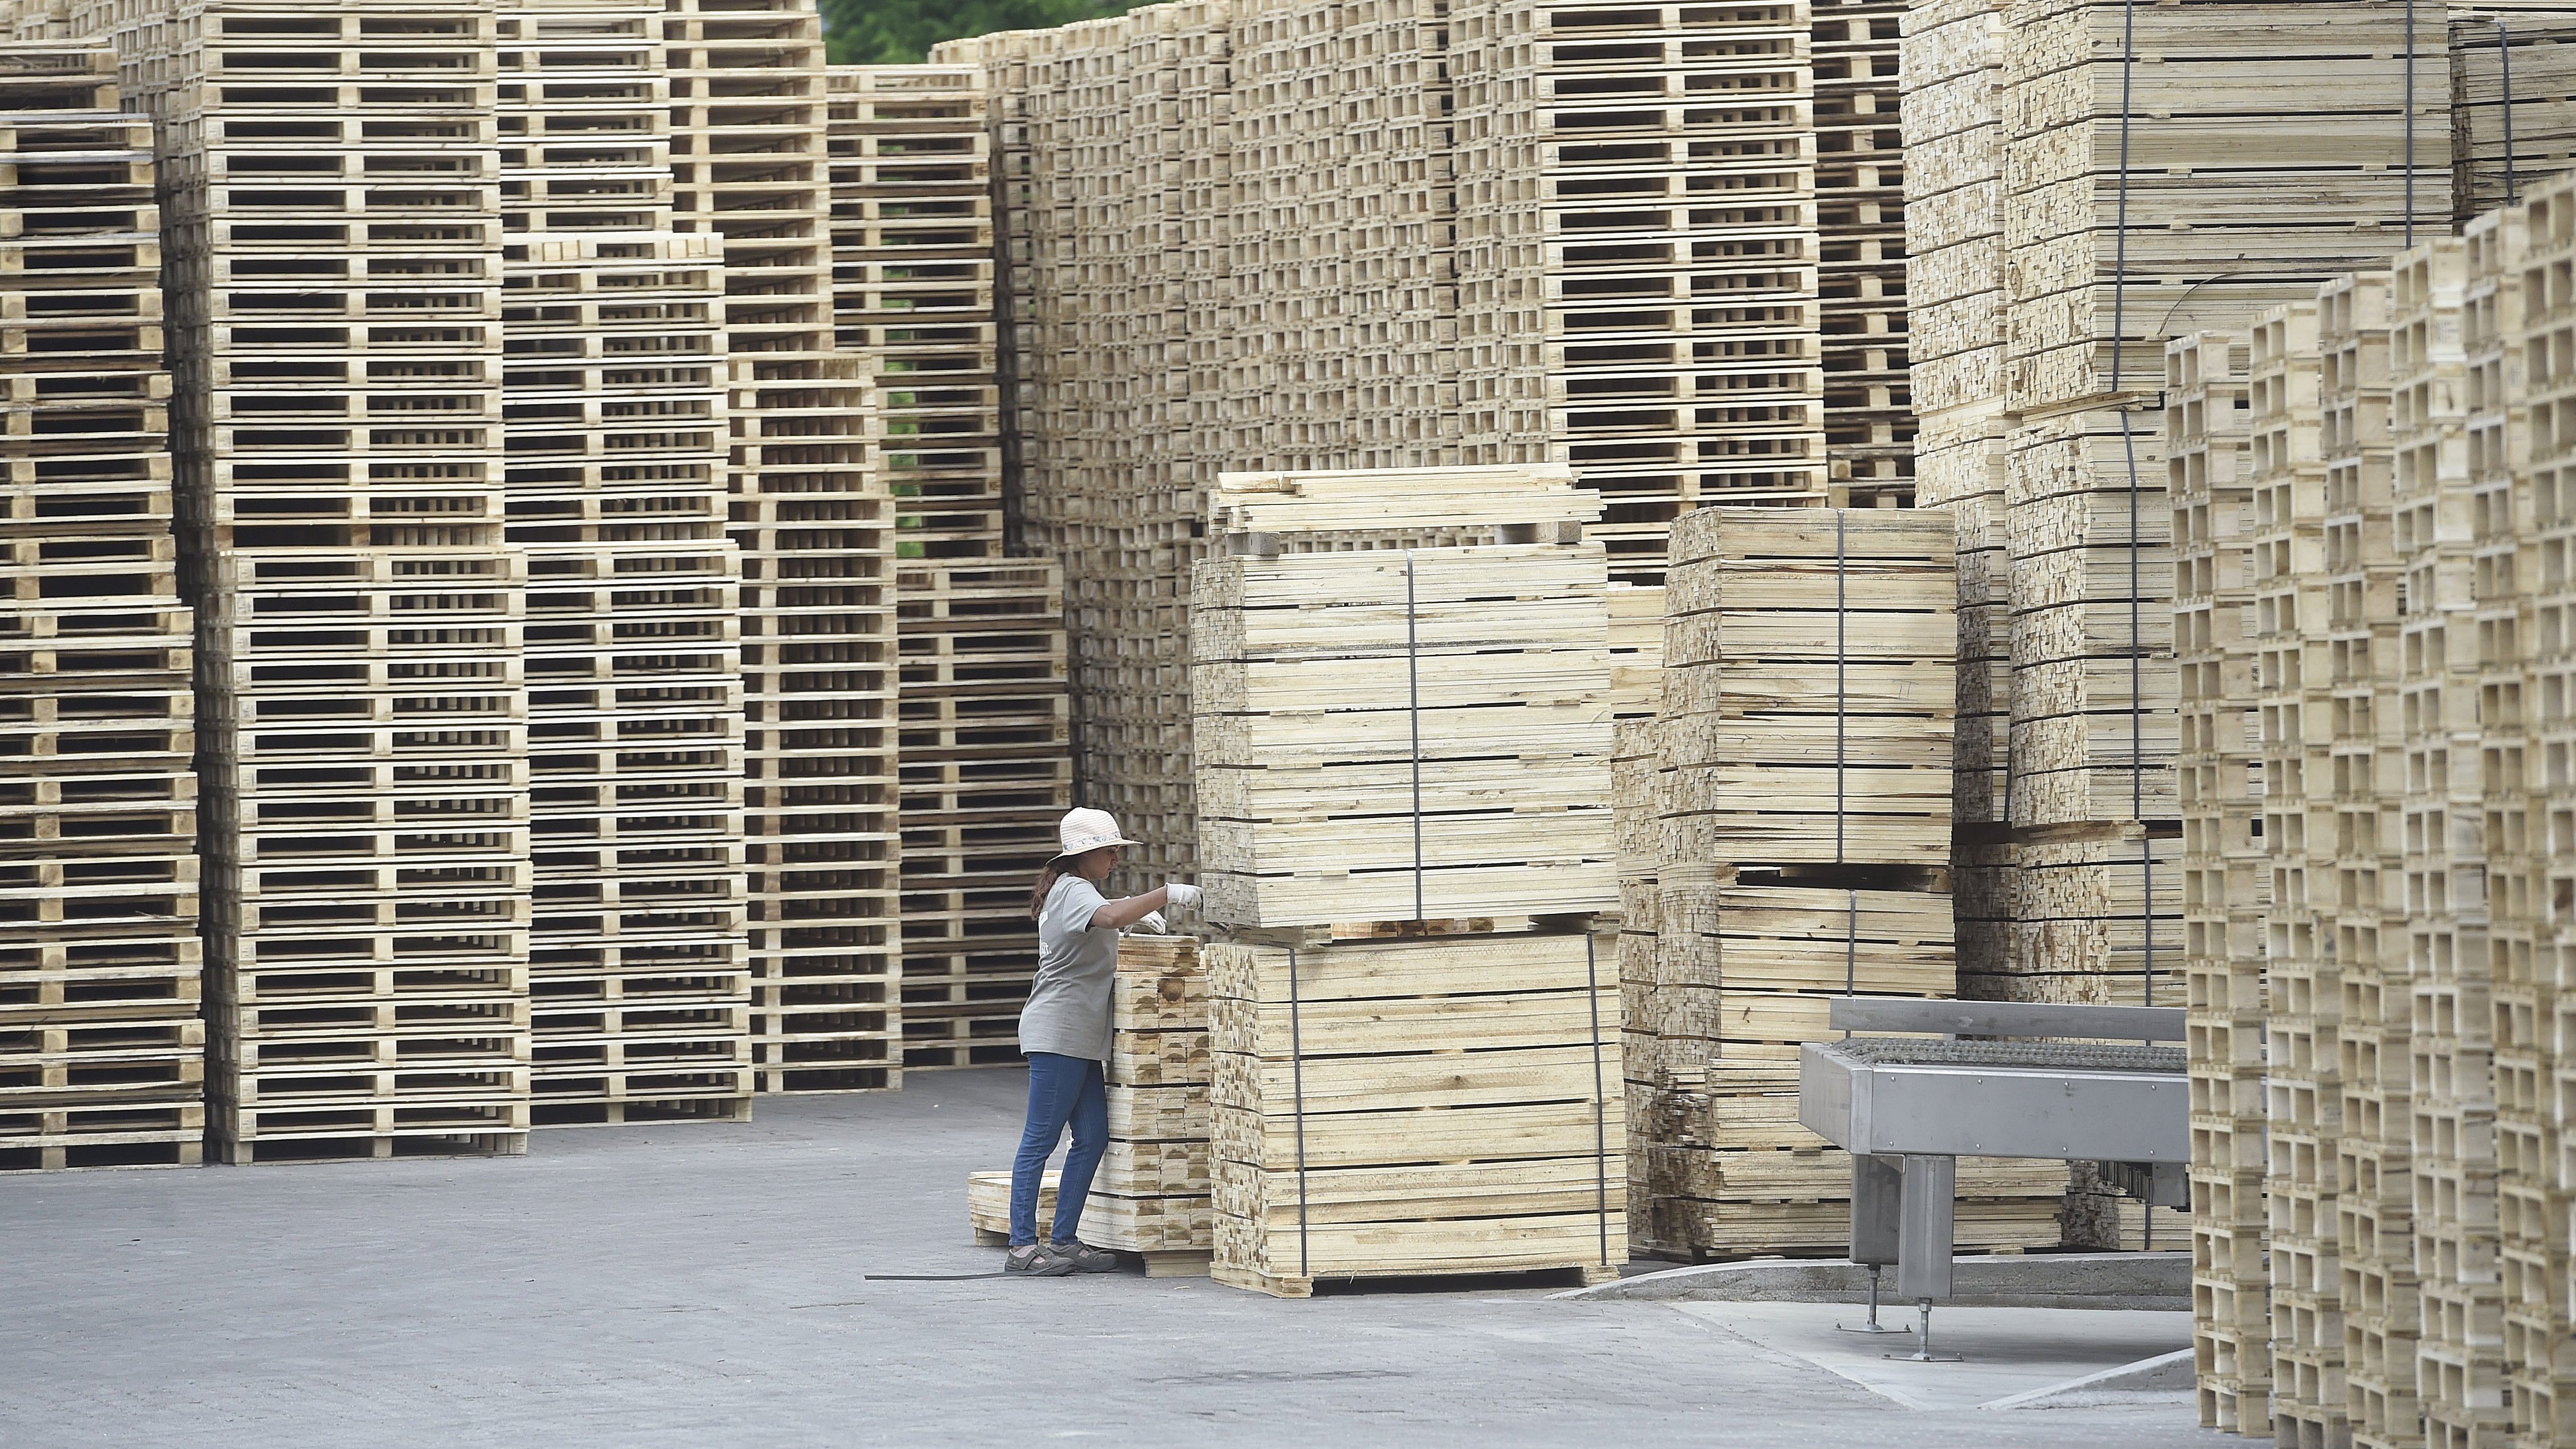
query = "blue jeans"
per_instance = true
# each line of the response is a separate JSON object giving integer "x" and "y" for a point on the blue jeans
{"x": 1062, "y": 1090}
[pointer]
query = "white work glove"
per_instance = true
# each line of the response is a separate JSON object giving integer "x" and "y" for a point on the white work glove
{"x": 1182, "y": 897}
{"x": 1152, "y": 925}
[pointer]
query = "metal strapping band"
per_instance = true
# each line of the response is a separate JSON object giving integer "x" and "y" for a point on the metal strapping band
{"x": 1839, "y": 708}
{"x": 2410, "y": 115}
{"x": 2504, "y": 62}
{"x": 1600, "y": 1100}
{"x": 1297, "y": 1078}
{"x": 1413, "y": 713}
{"x": 2129, "y": 448}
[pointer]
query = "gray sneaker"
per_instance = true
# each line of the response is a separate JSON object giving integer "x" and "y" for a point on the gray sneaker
{"x": 1038, "y": 1260}
{"x": 1085, "y": 1258}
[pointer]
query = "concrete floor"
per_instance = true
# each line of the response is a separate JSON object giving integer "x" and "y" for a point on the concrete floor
{"x": 711, "y": 1281}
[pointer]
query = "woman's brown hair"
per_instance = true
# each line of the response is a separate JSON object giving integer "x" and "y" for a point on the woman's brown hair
{"x": 1056, "y": 870}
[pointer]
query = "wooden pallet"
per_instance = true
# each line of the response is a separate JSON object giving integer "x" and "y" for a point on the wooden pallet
{"x": 1387, "y": 807}
{"x": 1312, "y": 1137}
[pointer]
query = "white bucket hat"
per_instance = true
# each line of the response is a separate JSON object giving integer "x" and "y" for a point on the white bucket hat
{"x": 1088, "y": 830}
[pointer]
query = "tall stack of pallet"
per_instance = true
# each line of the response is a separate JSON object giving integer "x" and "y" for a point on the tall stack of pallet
{"x": 585, "y": 117}
{"x": 2441, "y": 821}
{"x": 1116, "y": 225}
{"x": 1951, "y": 67}
{"x": 2528, "y": 992}
{"x": 337, "y": 360}
{"x": 2288, "y": 611}
{"x": 2335, "y": 1166}
{"x": 1150, "y": 1195}
{"x": 985, "y": 779}
{"x": 815, "y": 529}
{"x": 1805, "y": 825}
{"x": 2212, "y": 439}
{"x": 639, "y": 965}
{"x": 1416, "y": 871}
{"x": 102, "y": 1053}
{"x": 1861, "y": 261}
{"x": 984, "y": 728}
{"x": 614, "y": 391}
{"x": 1676, "y": 191}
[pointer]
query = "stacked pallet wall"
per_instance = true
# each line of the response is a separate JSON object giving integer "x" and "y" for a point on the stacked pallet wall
{"x": 1860, "y": 231}
{"x": 2374, "y": 1202}
{"x": 101, "y": 1045}
{"x": 1677, "y": 317}
{"x": 2099, "y": 146}
{"x": 2442, "y": 823}
{"x": 2542, "y": 462}
{"x": 614, "y": 391}
{"x": 2224, "y": 881}
{"x": 2304, "y": 1009}
{"x": 815, "y": 529}
{"x": 639, "y": 965}
{"x": 311, "y": 492}
{"x": 2531, "y": 1189}
{"x": 985, "y": 780}
{"x": 984, "y": 729}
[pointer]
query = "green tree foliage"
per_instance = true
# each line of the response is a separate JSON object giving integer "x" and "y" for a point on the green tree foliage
{"x": 901, "y": 32}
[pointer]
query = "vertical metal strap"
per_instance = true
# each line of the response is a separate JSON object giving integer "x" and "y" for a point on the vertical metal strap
{"x": 1297, "y": 1077}
{"x": 1413, "y": 712}
{"x": 2120, "y": 221}
{"x": 1600, "y": 1098}
{"x": 2504, "y": 62}
{"x": 1851, "y": 948}
{"x": 2410, "y": 121}
{"x": 1840, "y": 712}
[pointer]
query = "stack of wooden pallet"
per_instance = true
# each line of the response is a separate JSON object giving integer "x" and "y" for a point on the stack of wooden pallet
{"x": 2362, "y": 784}
{"x": 1150, "y": 1196}
{"x": 2304, "y": 1005}
{"x": 1860, "y": 230}
{"x": 365, "y": 758}
{"x": 102, "y": 1053}
{"x": 614, "y": 391}
{"x": 1805, "y": 782}
{"x": 982, "y": 701}
{"x": 1115, "y": 219}
{"x": 1416, "y": 1031}
{"x": 815, "y": 529}
{"x": 1676, "y": 192}
{"x": 639, "y": 967}
{"x": 585, "y": 117}
{"x": 2513, "y": 101}
{"x": 2226, "y": 879}
{"x": 2533, "y": 1000}
{"x": 912, "y": 267}
{"x": 2441, "y": 811}
{"x": 985, "y": 779}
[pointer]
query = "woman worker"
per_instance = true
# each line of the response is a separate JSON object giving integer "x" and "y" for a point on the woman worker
{"x": 1064, "y": 1032}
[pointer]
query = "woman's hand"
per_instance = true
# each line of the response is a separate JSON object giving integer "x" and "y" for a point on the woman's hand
{"x": 1118, "y": 915}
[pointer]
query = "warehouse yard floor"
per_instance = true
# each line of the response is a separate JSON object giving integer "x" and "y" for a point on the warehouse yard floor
{"x": 714, "y": 1284}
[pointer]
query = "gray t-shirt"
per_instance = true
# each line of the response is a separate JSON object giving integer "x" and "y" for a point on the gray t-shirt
{"x": 1068, "y": 1010}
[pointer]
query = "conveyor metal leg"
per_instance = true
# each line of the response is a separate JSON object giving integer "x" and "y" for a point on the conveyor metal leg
{"x": 1925, "y": 1243}
{"x": 1878, "y": 1196}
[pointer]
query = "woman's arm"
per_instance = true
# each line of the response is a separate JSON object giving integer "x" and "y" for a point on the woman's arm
{"x": 1118, "y": 915}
